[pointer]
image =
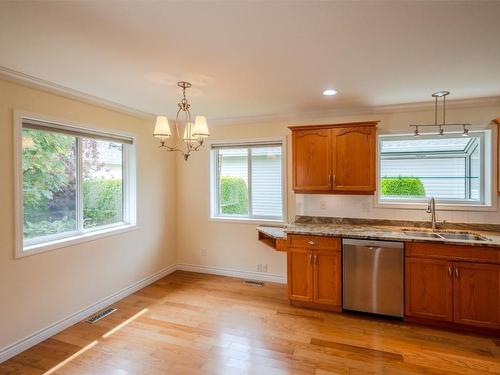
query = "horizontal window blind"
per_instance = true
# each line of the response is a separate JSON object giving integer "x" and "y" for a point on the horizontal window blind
{"x": 74, "y": 131}
{"x": 218, "y": 146}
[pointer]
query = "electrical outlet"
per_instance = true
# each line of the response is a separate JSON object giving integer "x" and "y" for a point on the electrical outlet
{"x": 322, "y": 205}
{"x": 203, "y": 252}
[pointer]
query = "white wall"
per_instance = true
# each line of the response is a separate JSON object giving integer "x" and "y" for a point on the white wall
{"x": 38, "y": 290}
{"x": 235, "y": 245}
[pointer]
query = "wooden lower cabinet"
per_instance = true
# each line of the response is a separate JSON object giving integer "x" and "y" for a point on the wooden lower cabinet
{"x": 300, "y": 283}
{"x": 314, "y": 274}
{"x": 429, "y": 289}
{"x": 464, "y": 293}
{"x": 326, "y": 277}
{"x": 476, "y": 294}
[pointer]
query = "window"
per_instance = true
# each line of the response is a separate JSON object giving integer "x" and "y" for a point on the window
{"x": 451, "y": 168}
{"x": 73, "y": 183}
{"x": 248, "y": 181}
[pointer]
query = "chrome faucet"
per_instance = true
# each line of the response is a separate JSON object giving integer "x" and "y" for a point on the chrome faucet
{"x": 431, "y": 209}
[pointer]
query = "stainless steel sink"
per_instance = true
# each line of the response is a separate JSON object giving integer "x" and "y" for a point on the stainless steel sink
{"x": 463, "y": 236}
{"x": 413, "y": 233}
{"x": 445, "y": 235}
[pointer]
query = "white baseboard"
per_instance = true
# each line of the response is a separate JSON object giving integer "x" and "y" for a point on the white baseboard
{"x": 259, "y": 276}
{"x": 45, "y": 333}
{"x": 55, "y": 328}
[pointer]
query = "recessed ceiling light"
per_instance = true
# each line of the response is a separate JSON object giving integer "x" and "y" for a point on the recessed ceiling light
{"x": 330, "y": 92}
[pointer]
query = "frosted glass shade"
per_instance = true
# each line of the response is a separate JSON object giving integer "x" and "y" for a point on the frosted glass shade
{"x": 188, "y": 132}
{"x": 162, "y": 129}
{"x": 200, "y": 127}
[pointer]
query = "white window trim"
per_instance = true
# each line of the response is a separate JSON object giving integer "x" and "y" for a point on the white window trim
{"x": 490, "y": 190}
{"x": 56, "y": 241}
{"x": 212, "y": 192}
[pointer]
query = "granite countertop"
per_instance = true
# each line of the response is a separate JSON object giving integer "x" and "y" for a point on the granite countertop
{"x": 273, "y": 232}
{"x": 372, "y": 229}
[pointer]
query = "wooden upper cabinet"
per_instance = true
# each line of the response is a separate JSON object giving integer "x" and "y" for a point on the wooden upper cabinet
{"x": 311, "y": 160}
{"x": 498, "y": 152}
{"x": 476, "y": 294}
{"x": 335, "y": 159}
{"x": 353, "y": 159}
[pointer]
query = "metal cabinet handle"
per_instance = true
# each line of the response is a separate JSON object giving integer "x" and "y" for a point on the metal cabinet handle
{"x": 330, "y": 180}
{"x": 311, "y": 243}
{"x": 310, "y": 258}
{"x": 449, "y": 271}
{"x": 456, "y": 272}
{"x": 315, "y": 258}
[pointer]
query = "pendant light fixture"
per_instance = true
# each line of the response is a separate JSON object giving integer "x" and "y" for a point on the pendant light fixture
{"x": 194, "y": 133}
{"x": 440, "y": 126}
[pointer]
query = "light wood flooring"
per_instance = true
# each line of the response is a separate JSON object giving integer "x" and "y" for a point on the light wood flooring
{"x": 189, "y": 323}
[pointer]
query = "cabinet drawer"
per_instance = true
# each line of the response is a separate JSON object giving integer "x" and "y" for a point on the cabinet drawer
{"x": 453, "y": 252}
{"x": 314, "y": 242}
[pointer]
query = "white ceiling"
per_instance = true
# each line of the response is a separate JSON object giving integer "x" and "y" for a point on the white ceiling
{"x": 257, "y": 58}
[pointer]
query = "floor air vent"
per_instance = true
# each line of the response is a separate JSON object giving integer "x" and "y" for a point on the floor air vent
{"x": 255, "y": 283}
{"x": 100, "y": 315}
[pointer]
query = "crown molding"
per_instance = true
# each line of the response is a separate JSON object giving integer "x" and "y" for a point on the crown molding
{"x": 54, "y": 88}
{"x": 290, "y": 118}
{"x": 312, "y": 116}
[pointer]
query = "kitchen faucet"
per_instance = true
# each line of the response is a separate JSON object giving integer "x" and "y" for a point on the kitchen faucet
{"x": 431, "y": 208}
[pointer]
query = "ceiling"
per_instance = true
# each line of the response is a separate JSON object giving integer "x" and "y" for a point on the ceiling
{"x": 257, "y": 58}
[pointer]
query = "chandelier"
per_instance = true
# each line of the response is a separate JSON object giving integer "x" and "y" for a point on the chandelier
{"x": 440, "y": 125}
{"x": 194, "y": 133}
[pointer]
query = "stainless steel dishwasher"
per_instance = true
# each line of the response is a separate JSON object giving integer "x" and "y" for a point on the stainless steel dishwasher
{"x": 372, "y": 276}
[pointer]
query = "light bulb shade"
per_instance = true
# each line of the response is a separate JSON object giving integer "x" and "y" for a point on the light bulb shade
{"x": 200, "y": 127}
{"x": 188, "y": 132}
{"x": 162, "y": 129}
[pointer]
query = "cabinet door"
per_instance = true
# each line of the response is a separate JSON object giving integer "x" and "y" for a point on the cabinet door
{"x": 327, "y": 277}
{"x": 311, "y": 160}
{"x": 429, "y": 289}
{"x": 476, "y": 294}
{"x": 353, "y": 159}
{"x": 300, "y": 285}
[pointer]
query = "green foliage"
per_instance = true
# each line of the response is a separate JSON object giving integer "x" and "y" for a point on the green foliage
{"x": 402, "y": 186}
{"x": 233, "y": 195}
{"x": 48, "y": 165}
{"x": 102, "y": 202}
{"x": 45, "y": 227}
{"x": 49, "y": 185}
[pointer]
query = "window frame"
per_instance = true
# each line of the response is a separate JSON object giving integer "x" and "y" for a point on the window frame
{"x": 488, "y": 199}
{"x": 59, "y": 240}
{"x": 213, "y": 178}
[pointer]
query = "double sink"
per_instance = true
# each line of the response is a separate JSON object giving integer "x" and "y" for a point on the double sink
{"x": 465, "y": 236}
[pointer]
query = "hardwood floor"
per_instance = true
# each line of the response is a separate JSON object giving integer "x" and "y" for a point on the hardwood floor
{"x": 189, "y": 323}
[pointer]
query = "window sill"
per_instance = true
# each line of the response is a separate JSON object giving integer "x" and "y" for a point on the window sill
{"x": 439, "y": 206}
{"x": 70, "y": 241}
{"x": 231, "y": 220}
